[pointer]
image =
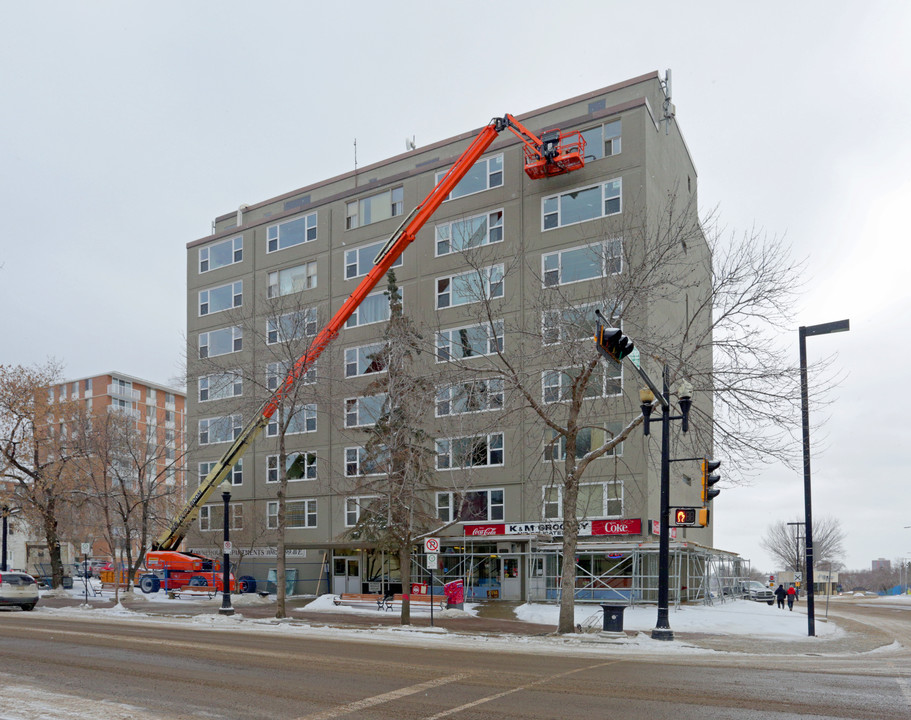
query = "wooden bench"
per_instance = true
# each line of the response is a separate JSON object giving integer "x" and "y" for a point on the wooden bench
{"x": 388, "y": 601}
{"x": 194, "y": 591}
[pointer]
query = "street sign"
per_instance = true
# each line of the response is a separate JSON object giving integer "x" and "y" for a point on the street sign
{"x": 227, "y": 547}
{"x": 634, "y": 357}
{"x": 431, "y": 545}
{"x": 86, "y": 548}
{"x": 798, "y": 577}
{"x": 432, "y": 560}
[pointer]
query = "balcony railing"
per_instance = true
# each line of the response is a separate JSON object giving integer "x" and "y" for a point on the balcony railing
{"x": 127, "y": 393}
{"x": 129, "y": 412}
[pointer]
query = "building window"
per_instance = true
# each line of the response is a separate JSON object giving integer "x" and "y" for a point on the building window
{"x": 465, "y": 452}
{"x": 291, "y": 326}
{"x": 219, "y": 386}
{"x": 470, "y": 233}
{"x": 364, "y": 411}
{"x": 485, "y": 174}
{"x": 292, "y": 280}
{"x": 602, "y": 141}
{"x": 235, "y": 476}
{"x": 221, "y": 298}
{"x": 355, "y": 507}
{"x": 357, "y": 463}
{"x": 298, "y": 514}
{"x": 308, "y": 466}
{"x": 211, "y": 517}
{"x": 596, "y": 500}
{"x": 605, "y": 381}
{"x": 364, "y": 360}
{"x": 470, "y": 287}
{"x": 588, "y": 262}
{"x": 586, "y": 439}
{"x": 220, "y": 342}
{"x": 291, "y": 232}
{"x": 374, "y": 309}
{"x": 359, "y": 262}
{"x": 469, "y": 397}
{"x": 219, "y": 429}
{"x": 473, "y": 506}
{"x": 573, "y": 323}
{"x": 580, "y": 205}
{"x": 472, "y": 341}
{"x": 302, "y": 421}
{"x": 276, "y": 372}
{"x": 221, "y": 254}
{"x": 373, "y": 208}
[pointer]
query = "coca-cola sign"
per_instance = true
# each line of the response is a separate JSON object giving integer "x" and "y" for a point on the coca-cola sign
{"x": 485, "y": 529}
{"x": 632, "y": 526}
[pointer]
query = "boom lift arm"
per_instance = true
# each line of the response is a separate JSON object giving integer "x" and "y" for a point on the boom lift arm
{"x": 554, "y": 153}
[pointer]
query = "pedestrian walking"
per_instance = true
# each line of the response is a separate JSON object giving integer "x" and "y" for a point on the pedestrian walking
{"x": 792, "y": 596}
{"x": 780, "y": 593}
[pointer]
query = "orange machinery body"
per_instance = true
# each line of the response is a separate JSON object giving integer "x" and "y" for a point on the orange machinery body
{"x": 178, "y": 569}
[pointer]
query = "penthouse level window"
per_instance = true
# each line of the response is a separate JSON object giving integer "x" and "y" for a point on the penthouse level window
{"x": 602, "y": 141}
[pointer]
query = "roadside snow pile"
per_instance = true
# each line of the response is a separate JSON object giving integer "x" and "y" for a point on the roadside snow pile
{"x": 739, "y": 617}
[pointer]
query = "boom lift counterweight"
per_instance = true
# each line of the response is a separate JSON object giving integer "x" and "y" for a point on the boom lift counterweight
{"x": 554, "y": 153}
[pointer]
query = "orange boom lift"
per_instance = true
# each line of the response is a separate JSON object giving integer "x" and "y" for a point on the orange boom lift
{"x": 554, "y": 153}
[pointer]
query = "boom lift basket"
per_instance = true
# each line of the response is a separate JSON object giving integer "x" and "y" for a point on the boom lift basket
{"x": 559, "y": 153}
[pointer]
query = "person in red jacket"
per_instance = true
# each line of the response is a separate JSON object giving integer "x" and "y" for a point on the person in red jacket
{"x": 792, "y": 596}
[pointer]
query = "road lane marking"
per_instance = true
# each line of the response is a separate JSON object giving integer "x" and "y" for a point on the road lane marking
{"x": 497, "y": 696}
{"x": 384, "y": 698}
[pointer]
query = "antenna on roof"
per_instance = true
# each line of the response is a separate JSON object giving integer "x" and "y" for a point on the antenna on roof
{"x": 669, "y": 111}
{"x": 409, "y": 144}
{"x": 355, "y": 162}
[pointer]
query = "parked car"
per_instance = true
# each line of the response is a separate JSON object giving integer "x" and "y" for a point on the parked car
{"x": 755, "y": 590}
{"x": 18, "y": 588}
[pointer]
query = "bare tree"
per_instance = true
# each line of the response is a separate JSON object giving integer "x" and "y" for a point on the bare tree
{"x": 706, "y": 309}
{"x": 36, "y": 450}
{"x": 787, "y": 543}
{"x": 281, "y": 338}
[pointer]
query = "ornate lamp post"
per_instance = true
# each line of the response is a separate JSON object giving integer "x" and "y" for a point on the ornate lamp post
{"x": 226, "y": 608}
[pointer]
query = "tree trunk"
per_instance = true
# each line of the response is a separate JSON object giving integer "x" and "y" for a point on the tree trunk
{"x": 405, "y": 568}
{"x": 567, "y": 621}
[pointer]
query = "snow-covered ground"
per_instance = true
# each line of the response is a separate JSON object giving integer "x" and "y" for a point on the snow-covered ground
{"x": 732, "y": 618}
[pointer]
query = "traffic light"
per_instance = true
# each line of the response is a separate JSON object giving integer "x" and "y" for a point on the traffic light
{"x": 612, "y": 343}
{"x": 709, "y": 479}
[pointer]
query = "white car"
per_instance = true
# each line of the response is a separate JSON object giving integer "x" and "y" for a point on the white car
{"x": 18, "y": 588}
{"x": 755, "y": 590}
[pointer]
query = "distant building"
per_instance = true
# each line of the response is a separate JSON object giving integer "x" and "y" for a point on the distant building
{"x": 158, "y": 412}
{"x": 882, "y": 564}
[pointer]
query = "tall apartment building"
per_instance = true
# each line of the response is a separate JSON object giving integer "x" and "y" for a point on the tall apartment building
{"x": 276, "y": 270}
{"x": 159, "y": 415}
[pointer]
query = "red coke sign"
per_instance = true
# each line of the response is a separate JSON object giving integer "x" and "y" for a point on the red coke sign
{"x": 632, "y": 526}
{"x": 498, "y": 529}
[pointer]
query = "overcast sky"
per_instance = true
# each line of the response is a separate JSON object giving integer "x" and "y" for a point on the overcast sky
{"x": 127, "y": 127}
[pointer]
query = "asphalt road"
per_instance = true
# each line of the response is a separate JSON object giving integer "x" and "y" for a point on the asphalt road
{"x": 64, "y": 669}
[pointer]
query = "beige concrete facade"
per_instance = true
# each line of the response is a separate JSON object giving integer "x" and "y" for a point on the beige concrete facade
{"x": 648, "y": 162}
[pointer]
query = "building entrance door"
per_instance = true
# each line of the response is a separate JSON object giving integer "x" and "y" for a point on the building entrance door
{"x": 346, "y": 575}
{"x": 511, "y": 582}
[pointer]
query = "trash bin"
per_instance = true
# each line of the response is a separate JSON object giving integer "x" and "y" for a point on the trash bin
{"x": 613, "y": 618}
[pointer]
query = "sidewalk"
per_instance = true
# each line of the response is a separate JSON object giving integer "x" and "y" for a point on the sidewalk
{"x": 498, "y": 619}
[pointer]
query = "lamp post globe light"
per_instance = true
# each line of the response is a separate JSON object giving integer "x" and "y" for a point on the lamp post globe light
{"x": 226, "y": 608}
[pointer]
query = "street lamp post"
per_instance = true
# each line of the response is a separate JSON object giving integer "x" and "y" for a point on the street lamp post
{"x": 5, "y": 512}
{"x": 662, "y": 630}
{"x": 226, "y": 608}
{"x": 804, "y": 332}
